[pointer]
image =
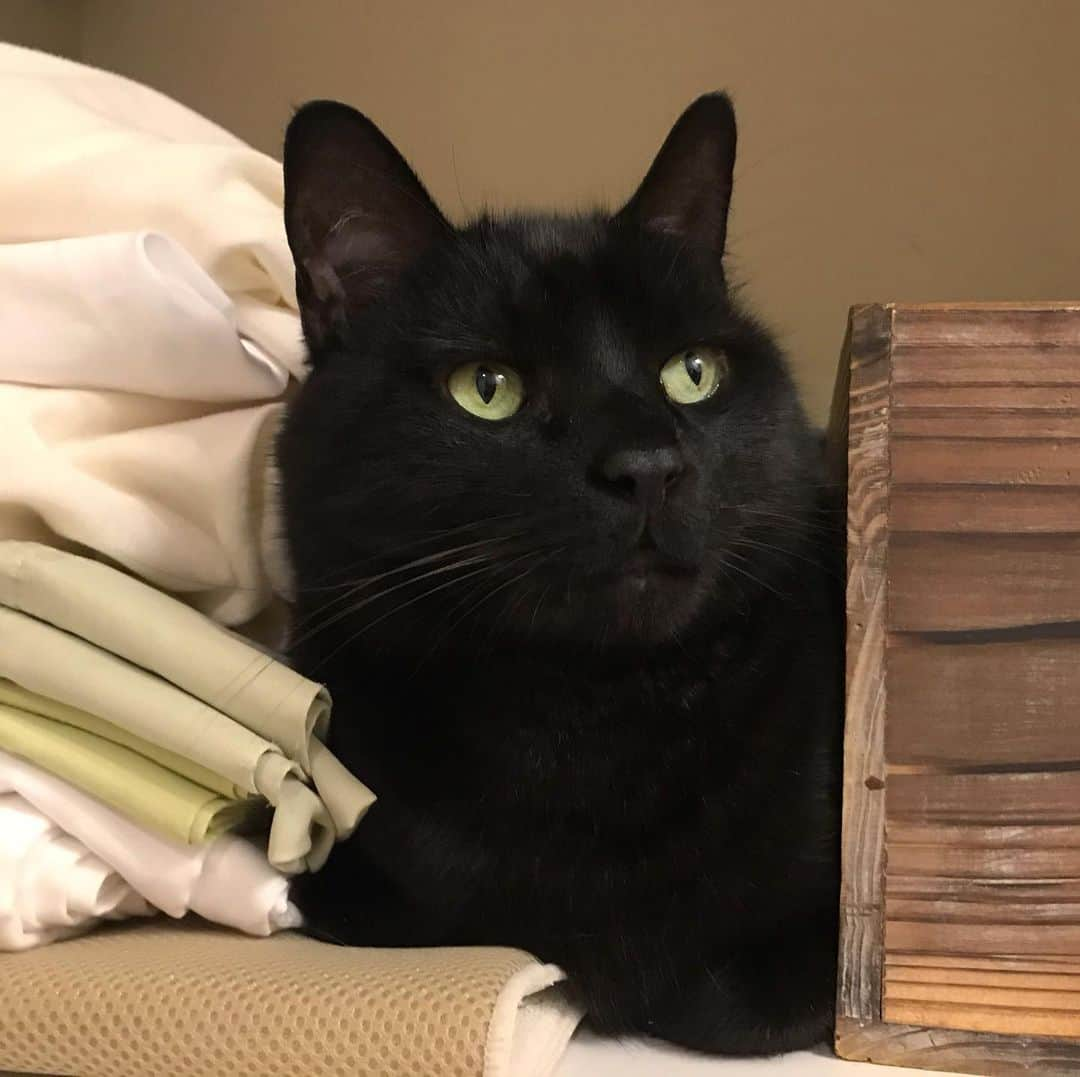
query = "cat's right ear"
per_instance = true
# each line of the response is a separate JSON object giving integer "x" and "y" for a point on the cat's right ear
{"x": 355, "y": 214}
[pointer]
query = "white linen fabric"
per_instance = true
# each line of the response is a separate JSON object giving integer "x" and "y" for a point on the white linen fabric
{"x": 51, "y": 886}
{"x": 150, "y": 333}
{"x": 227, "y": 880}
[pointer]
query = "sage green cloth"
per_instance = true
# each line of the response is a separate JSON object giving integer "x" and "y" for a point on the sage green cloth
{"x": 139, "y": 787}
{"x": 89, "y": 637}
{"x": 14, "y": 696}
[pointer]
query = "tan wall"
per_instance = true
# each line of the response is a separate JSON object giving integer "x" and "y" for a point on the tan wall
{"x": 52, "y": 25}
{"x": 892, "y": 149}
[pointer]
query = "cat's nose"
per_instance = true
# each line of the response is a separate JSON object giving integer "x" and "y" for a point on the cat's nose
{"x": 642, "y": 475}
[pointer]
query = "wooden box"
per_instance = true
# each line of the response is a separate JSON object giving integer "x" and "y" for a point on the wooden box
{"x": 960, "y": 906}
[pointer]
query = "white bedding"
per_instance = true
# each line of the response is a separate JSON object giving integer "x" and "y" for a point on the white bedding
{"x": 150, "y": 333}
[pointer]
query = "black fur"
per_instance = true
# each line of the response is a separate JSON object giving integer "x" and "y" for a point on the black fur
{"x": 600, "y": 708}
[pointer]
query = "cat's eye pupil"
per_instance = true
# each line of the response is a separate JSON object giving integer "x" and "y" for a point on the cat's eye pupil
{"x": 487, "y": 381}
{"x": 694, "y": 367}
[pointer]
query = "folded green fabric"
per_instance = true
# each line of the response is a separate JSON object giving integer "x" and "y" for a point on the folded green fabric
{"x": 19, "y": 698}
{"x": 139, "y": 787}
{"x": 78, "y": 673}
{"x": 94, "y": 639}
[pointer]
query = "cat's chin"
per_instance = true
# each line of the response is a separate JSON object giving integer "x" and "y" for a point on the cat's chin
{"x": 647, "y": 606}
{"x": 634, "y": 606}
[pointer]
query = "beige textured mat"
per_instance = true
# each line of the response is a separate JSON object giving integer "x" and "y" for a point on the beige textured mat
{"x": 193, "y": 1001}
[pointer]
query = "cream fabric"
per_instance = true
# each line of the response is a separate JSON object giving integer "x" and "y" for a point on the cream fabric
{"x": 227, "y": 880}
{"x": 51, "y": 886}
{"x": 80, "y": 304}
{"x": 90, "y": 637}
{"x": 150, "y": 332}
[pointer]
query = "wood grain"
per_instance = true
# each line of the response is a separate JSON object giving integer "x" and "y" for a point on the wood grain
{"x": 958, "y": 582}
{"x": 1034, "y": 327}
{"x": 1000, "y": 701}
{"x": 949, "y": 508}
{"x": 972, "y": 722}
{"x": 993, "y": 797}
{"x": 986, "y": 1054}
{"x": 982, "y": 737}
{"x": 865, "y": 373}
{"x": 974, "y": 461}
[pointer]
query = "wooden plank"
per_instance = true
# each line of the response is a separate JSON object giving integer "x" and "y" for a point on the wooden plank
{"x": 987, "y": 328}
{"x": 1063, "y": 999}
{"x": 988, "y": 977}
{"x": 958, "y": 582}
{"x": 958, "y": 1051}
{"x": 978, "y": 393}
{"x": 1005, "y": 890}
{"x": 948, "y": 963}
{"x": 985, "y": 424}
{"x": 1017, "y": 1021}
{"x": 941, "y": 909}
{"x": 986, "y": 939}
{"x": 1040, "y": 797}
{"x": 865, "y": 370}
{"x": 981, "y": 862}
{"x": 968, "y": 307}
{"x": 984, "y": 703}
{"x": 1009, "y": 462}
{"x": 978, "y": 832}
{"x": 1018, "y": 370}
{"x": 984, "y": 509}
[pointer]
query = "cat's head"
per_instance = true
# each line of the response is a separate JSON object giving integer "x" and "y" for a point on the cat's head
{"x": 559, "y": 430}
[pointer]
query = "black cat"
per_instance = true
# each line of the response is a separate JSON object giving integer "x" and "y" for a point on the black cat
{"x": 557, "y": 523}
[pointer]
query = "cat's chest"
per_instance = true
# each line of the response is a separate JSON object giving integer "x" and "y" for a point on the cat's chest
{"x": 539, "y": 744}
{"x": 623, "y": 779}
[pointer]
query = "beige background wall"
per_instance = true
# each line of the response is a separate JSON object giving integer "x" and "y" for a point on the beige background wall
{"x": 53, "y": 25}
{"x": 891, "y": 149}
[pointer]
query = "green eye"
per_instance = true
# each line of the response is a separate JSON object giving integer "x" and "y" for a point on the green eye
{"x": 694, "y": 374}
{"x": 487, "y": 390}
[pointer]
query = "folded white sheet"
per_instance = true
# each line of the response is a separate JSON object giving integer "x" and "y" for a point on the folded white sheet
{"x": 87, "y": 152}
{"x": 51, "y": 886}
{"x": 126, "y": 311}
{"x": 150, "y": 335}
{"x": 227, "y": 880}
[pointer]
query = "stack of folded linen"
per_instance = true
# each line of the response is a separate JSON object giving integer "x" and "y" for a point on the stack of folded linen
{"x": 137, "y": 737}
{"x": 150, "y": 340}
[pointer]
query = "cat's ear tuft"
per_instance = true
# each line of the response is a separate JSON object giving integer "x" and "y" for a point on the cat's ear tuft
{"x": 355, "y": 214}
{"x": 687, "y": 190}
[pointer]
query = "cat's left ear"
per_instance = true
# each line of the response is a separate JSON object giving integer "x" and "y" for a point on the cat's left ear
{"x": 356, "y": 215}
{"x": 687, "y": 190}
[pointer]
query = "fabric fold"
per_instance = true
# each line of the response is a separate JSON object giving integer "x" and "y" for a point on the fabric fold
{"x": 106, "y": 645}
{"x": 123, "y": 779}
{"x": 51, "y": 886}
{"x": 150, "y": 336}
{"x": 227, "y": 881}
{"x": 78, "y": 303}
{"x": 15, "y": 696}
